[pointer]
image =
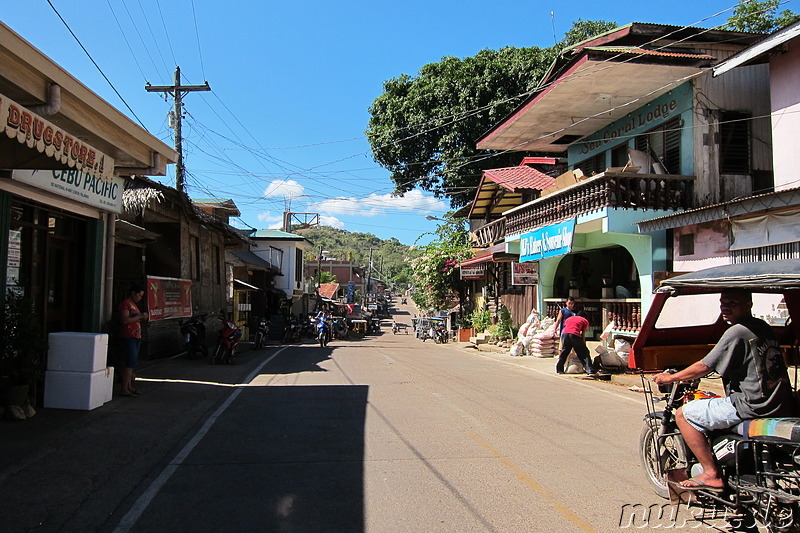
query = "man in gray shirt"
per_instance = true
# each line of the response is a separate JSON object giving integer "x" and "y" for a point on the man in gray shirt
{"x": 748, "y": 358}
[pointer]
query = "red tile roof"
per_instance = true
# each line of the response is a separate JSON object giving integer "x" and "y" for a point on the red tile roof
{"x": 328, "y": 290}
{"x": 515, "y": 178}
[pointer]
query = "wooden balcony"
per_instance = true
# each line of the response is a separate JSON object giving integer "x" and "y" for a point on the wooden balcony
{"x": 491, "y": 233}
{"x": 619, "y": 190}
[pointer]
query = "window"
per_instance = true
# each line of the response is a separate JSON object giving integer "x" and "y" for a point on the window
{"x": 686, "y": 244}
{"x": 593, "y": 165}
{"x": 298, "y": 266}
{"x": 734, "y": 143}
{"x": 664, "y": 142}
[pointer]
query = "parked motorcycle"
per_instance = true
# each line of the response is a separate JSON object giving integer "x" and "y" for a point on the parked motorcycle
{"x": 262, "y": 330}
{"x": 340, "y": 329}
{"x": 292, "y": 332}
{"x": 227, "y": 343}
{"x": 440, "y": 334}
{"x": 194, "y": 336}
{"x": 761, "y": 470}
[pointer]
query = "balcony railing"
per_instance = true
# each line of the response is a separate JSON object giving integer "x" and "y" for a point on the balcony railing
{"x": 625, "y": 313}
{"x": 620, "y": 190}
{"x": 491, "y": 233}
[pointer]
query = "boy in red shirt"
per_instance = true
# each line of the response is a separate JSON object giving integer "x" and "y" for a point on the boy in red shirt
{"x": 572, "y": 337}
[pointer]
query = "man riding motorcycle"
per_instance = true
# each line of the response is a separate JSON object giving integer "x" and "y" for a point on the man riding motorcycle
{"x": 756, "y": 384}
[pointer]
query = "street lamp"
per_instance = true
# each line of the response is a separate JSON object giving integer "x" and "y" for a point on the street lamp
{"x": 431, "y": 217}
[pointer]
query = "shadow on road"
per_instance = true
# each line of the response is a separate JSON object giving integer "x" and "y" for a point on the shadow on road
{"x": 283, "y": 458}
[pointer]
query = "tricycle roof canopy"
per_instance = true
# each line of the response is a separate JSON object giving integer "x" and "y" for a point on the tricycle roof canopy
{"x": 763, "y": 276}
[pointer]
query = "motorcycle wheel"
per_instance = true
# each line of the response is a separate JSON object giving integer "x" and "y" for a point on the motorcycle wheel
{"x": 219, "y": 353}
{"x": 659, "y": 456}
{"x": 257, "y": 342}
{"x": 321, "y": 339}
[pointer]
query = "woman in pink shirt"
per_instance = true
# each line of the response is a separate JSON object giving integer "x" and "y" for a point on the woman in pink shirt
{"x": 572, "y": 338}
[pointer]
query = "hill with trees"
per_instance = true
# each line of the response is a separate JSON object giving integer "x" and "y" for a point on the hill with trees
{"x": 390, "y": 258}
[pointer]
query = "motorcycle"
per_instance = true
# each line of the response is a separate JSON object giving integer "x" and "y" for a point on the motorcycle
{"x": 262, "y": 330}
{"x": 340, "y": 330}
{"x": 403, "y": 301}
{"x": 292, "y": 332}
{"x": 194, "y": 336}
{"x": 440, "y": 334}
{"x": 395, "y": 328}
{"x": 761, "y": 469}
{"x": 323, "y": 332}
{"x": 227, "y": 343}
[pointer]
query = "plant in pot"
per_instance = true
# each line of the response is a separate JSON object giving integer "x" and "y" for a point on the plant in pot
{"x": 22, "y": 349}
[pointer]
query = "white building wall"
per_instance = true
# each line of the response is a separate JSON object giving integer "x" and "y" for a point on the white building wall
{"x": 744, "y": 89}
{"x": 785, "y": 97}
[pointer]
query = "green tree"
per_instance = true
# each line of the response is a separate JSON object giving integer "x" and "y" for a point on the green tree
{"x": 760, "y": 16}
{"x": 436, "y": 273}
{"x": 423, "y": 128}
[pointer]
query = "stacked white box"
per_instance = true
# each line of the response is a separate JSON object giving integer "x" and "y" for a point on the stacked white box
{"x": 77, "y": 352}
{"x": 77, "y": 390}
{"x": 77, "y": 377}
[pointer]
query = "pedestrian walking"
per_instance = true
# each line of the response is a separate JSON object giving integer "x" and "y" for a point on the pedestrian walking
{"x": 573, "y": 338}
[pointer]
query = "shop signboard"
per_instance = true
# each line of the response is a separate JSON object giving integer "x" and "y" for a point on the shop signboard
{"x": 525, "y": 273}
{"x": 168, "y": 298}
{"x": 550, "y": 241}
{"x": 79, "y": 186}
{"x": 351, "y": 292}
{"x": 14, "y": 256}
{"x": 473, "y": 272}
{"x": 33, "y": 131}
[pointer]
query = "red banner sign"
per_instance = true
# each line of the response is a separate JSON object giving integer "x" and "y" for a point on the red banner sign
{"x": 168, "y": 298}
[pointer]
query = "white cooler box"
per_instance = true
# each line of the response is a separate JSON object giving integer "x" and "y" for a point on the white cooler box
{"x": 77, "y": 352}
{"x": 78, "y": 390}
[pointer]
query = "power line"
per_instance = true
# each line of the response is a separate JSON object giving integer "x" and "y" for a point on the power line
{"x": 95, "y": 64}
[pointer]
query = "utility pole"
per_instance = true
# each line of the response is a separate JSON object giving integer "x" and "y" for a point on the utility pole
{"x": 369, "y": 276}
{"x": 177, "y": 91}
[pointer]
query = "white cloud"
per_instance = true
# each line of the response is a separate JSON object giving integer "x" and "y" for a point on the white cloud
{"x": 284, "y": 189}
{"x": 272, "y": 221}
{"x": 380, "y": 204}
{"x": 325, "y": 220}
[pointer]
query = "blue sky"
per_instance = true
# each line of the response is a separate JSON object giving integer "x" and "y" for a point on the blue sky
{"x": 292, "y": 82}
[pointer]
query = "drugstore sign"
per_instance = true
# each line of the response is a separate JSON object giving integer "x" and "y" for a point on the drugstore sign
{"x": 550, "y": 241}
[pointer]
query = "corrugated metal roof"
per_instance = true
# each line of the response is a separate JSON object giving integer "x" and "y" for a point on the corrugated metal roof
{"x": 515, "y": 178}
{"x": 635, "y": 50}
{"x": 275, "y": 234}
{"x": 732, "y": 208}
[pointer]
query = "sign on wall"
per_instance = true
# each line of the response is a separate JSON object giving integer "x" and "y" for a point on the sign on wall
{"x": 78, "y": 186}
{"x": 168, "y": 298}
{"x": 474, "y": 272}
{"x": 33, "y": 131}
{"x": 550, "y": 241}
{"x": 524, "y": 273}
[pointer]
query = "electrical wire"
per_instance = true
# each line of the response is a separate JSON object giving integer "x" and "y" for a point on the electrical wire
{"x": 95, "y": 64}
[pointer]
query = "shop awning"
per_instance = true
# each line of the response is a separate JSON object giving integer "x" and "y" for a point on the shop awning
{"x": 328, "y": 290}
{"x": 496, "y": 253}
{"x": 245, "y": 286}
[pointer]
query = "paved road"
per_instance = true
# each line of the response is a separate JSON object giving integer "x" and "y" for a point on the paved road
{"x": 381, "y": 434}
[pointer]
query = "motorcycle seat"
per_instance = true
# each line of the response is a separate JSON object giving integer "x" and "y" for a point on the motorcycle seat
{"x": 775, "y": 428}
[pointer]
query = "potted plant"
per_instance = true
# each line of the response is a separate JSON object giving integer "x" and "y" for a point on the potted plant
{"x": 22, "y": 349}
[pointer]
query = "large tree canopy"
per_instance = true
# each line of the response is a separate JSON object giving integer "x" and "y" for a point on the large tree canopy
{"x": 760, "y": 16}
{"x": 423, "y": 128}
